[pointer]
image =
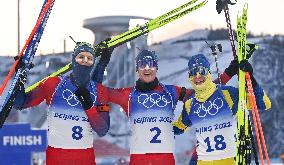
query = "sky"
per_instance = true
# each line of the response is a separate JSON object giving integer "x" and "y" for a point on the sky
{"x": 67, "y": 19}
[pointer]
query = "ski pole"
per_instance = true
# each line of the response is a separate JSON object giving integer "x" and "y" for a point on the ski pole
{"x": 256, "y": 120}
{"x": 214, "y": 48}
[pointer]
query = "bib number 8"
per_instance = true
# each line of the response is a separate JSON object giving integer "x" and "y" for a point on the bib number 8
{"x": 155, "y": 138}
{"x": 77, "y": 132}
{"x": 219, "y": 143}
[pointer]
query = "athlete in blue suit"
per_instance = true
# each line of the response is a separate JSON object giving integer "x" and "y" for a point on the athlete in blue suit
{"x": 211, "y": 112}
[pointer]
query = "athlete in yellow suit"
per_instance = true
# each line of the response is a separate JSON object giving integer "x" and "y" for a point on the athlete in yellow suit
{"x": 211, "y": 112}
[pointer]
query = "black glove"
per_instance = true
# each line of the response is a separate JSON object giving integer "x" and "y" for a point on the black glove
{"x": 221, "y": 3}
{"x": 104, "y": 51}
{"x": 219, "y": 6}
{"x": 246, "y": 67}
{"x": 84, "y": 97}
{"x": 233, "y": 68}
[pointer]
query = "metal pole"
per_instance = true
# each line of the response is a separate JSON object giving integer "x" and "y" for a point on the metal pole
{"x": 64, "y": 46}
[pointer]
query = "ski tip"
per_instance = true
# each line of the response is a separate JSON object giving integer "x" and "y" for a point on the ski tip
{"x": 203, "y": 2}
{"x": 245, "y": 9}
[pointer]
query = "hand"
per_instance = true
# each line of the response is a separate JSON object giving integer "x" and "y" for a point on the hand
{"x": 219, "y": 6}
{"x": 104, "y": 51}
{"x": 233, "y": 68}
{"x": 84, "y": 97}
{"x": 246, "y": 66}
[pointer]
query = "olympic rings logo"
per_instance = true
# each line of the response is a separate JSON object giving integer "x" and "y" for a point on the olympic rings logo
{"x": 72, "y": 99}
{"x": 149, "y": 101}
{"x": 211, "y": 109}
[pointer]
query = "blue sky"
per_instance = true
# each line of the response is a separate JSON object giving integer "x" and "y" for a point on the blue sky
{"x": 68, "y": 15}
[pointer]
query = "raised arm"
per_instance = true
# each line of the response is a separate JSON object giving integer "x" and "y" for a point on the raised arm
{"x": 229, "y": 72}
{"x": 105, "y": 53}
{"x": 43, "y": 92}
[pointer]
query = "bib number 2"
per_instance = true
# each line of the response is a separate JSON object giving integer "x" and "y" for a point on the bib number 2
{"x": 155, "y": 138}
{"x": 77, "y": 132}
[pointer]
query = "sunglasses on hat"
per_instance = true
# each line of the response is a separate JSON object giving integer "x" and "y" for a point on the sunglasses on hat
{"x": 199, "y": 69}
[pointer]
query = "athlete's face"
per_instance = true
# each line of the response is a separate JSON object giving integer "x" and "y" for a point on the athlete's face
{"x": 197, "y": 79}
{"x": 85, "y": 58}
{"x": 197, "y": 75}
{"x": 147, "y": 74}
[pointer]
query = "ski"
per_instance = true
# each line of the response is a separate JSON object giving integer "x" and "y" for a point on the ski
{"x": 26, "y": 60}
{"x": 154, "y": 24}
{"x": 137, "y": 31}
{"x": 153, "y": 21}
{"x": 253, "y": 106}
{"x": 58, "y": 72}
{"x": 243, "y": 140}
{"x": 224, "y": 5}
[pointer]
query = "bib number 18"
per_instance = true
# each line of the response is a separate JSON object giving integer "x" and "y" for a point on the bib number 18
{"x": 218, "y": 141}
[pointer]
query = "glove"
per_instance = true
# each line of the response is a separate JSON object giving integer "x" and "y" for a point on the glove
{"x": 84, "y": 97}
{"x": 246, "y": 67}
{"x": 105, "y": 52}
{"x": 221, "y": 3}
{"x": 233, "y": 68}
{"x": 219, "y": 6}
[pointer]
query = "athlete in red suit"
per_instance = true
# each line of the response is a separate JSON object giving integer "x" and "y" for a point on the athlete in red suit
{"x": 74, "y": 112}
{"x": 150, "y": 105}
